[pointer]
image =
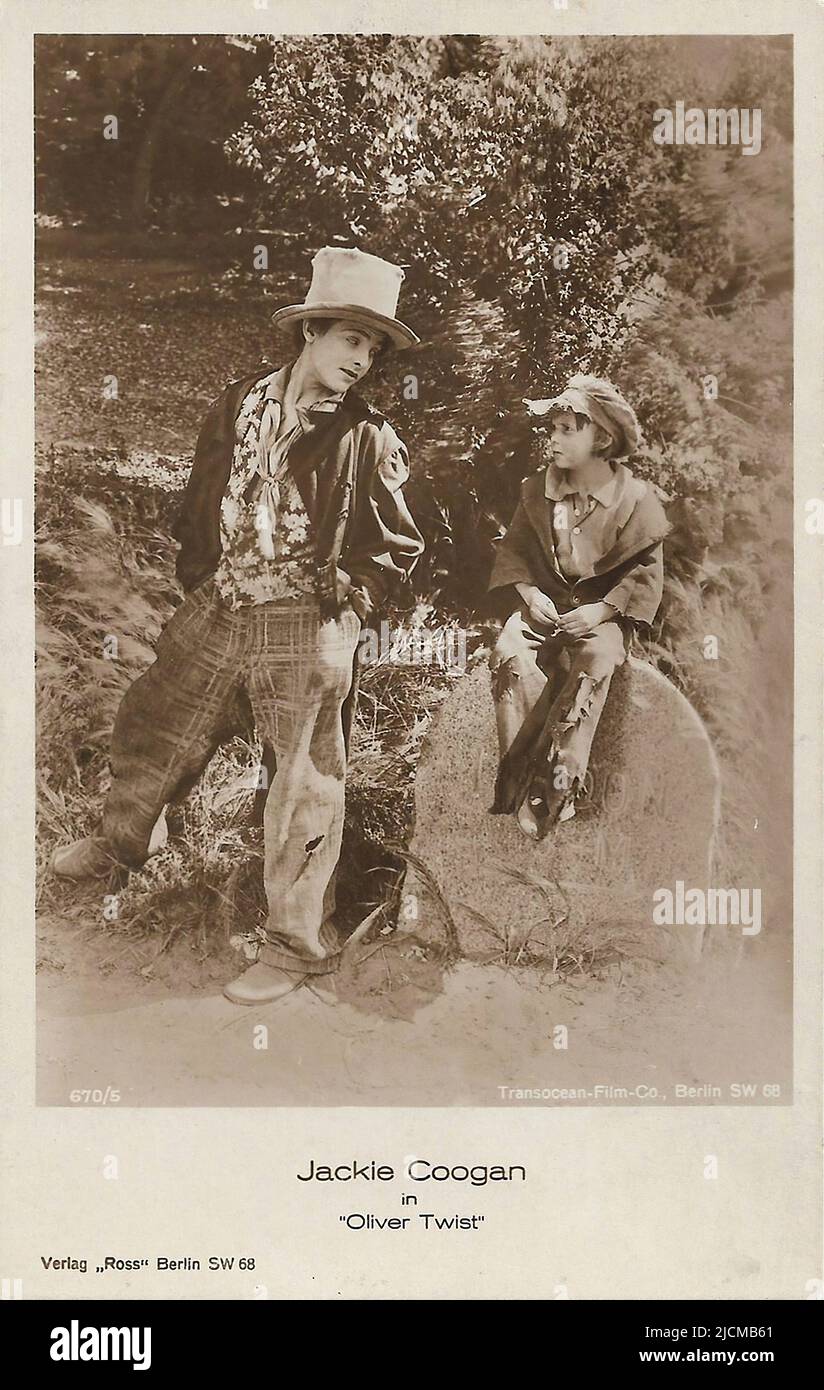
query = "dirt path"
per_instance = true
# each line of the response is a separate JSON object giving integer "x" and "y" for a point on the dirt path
{"x": 389, "y": 1040}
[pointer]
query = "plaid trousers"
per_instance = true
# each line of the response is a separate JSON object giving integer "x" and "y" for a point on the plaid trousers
{"x": 297, "y": 672}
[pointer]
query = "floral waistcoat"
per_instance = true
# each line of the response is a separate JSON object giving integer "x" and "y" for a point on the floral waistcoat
{"x": 267, "y": 547}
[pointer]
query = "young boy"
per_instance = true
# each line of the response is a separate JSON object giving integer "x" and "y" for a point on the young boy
{"x": 293, "y": 528}
{"x": 583, "y": 560}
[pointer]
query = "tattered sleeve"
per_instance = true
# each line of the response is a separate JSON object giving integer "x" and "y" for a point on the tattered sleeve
{"x": 517, "y": 554}
{"x": 638, "y": 593}
{"x": 386, "y": 543}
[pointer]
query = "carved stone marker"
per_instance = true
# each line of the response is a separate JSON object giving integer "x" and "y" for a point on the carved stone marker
{"x": 645, "y": 822}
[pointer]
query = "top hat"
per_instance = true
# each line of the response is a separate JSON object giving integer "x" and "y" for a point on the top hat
{"x": 353, "y": 285}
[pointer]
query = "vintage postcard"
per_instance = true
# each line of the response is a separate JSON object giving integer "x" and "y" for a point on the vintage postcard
{"x": 412, "y": 536}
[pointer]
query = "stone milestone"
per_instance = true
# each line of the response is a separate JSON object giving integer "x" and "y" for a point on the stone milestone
{"x": 646, "y": 820}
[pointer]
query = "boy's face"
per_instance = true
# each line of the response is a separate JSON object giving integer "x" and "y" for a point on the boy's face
{"x": 342, "y": 355}
{"x": 571, "y": 446}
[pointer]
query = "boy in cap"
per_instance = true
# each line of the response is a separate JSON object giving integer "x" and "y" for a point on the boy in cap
{"x": 293, "y": 529}
{"x": 582, "y": 559}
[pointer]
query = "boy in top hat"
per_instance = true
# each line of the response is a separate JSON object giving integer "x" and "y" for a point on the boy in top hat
{"x": 582, "y": 559}
{"x": 293, "y": 528}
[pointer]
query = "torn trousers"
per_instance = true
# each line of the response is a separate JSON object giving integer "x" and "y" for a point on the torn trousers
{"x": 548, "y": 701}
{"x": 296, "y": 671}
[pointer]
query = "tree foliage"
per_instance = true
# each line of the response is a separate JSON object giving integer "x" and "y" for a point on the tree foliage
{"x": 543, "y": 232}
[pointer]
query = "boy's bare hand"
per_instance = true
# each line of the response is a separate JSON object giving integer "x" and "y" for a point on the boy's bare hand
{"x": 580, "y": 622}
{"x": 541, "y": 608}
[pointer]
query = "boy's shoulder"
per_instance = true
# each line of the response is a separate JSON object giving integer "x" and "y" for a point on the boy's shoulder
{"x": 632, "y": 488}
{"x": 643, "y": 493}
{"x": 534, "y": 484}
{"x": 635, "y": 489}
{"x": 642, "y": 520}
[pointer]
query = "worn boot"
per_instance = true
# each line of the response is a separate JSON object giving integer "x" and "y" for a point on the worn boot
{"x": 535, "y": 811}
{"x": 91, "y": 858}
{"x": 86, "y": 858}
{"x": 263, "y": 984}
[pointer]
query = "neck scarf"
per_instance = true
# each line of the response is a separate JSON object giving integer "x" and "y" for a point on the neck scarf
{"x": 282, "y": 422}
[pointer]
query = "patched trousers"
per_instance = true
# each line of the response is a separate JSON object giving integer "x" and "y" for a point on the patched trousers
{"x": 296, "y": 671}
{"x": 548, "y": 701}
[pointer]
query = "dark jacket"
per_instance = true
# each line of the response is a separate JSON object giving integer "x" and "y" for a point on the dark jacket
{"x": 629, "y": 576}
{"x": 365, "y": 536}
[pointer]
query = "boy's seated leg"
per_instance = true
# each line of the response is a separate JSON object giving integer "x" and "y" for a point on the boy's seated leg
{"x": 598, "y": 654}
{"x": 518, "y": 681}
{"x": 573, "y": 720}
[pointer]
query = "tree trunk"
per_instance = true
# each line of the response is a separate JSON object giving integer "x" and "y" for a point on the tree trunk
{"x": 142, "y": 175}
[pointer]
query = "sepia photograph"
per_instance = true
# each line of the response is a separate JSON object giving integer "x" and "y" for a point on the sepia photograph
{"x": 414, "y": 569}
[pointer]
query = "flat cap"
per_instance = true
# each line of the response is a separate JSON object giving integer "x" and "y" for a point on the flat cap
{"x": 603, "y": 404}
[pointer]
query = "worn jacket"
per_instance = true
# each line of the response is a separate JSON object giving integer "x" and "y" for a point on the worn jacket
{"x": 629, "y": 576}
{"x": 350, "y": 470}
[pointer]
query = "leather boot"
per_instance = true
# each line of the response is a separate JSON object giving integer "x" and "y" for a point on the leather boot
{"x": 263, "y": 984}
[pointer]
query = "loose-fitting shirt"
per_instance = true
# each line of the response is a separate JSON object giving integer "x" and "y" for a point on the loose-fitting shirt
{"x": 618, "y": 551}
{"x": 584, "y": 524}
